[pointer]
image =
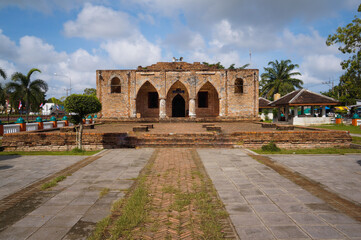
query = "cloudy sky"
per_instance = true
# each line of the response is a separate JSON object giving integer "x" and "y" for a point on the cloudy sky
{"x": 74, "y": 38}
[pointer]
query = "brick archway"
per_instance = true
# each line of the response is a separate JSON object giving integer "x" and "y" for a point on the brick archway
{"x": 147, "y": 102}
{"x": 177, "y": 88}
{"x": 207, "y": 101}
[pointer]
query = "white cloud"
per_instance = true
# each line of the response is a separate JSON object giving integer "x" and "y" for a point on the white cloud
{"x": 7, "y": 47}
{"x": 33, "y": 50}
{"x": 185, "y": 40}
{"x": 131, "y": 53}
{"x": 100, "y": 22}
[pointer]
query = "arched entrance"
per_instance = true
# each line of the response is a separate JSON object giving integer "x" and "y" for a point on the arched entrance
{"x": 177, "y": 101}
{"x": 147, "y": 102}
{"x": 178, "y": 106}
{"x": 207, "y": 102}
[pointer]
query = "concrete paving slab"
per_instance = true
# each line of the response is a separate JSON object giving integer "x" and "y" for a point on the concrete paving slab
{"x": 340, "y": 173}
{"x": 275, "y": 207}
{"x": 79, "y": 198}
{"x": 22, "y": 171}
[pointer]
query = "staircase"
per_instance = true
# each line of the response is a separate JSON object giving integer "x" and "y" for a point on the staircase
{"x": 188, "y": 140}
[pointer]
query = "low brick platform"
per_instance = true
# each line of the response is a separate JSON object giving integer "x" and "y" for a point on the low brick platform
{"x": 94, "y": 141}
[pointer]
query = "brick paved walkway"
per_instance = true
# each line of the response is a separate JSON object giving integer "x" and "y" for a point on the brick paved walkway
{"x": 174, "y": 179}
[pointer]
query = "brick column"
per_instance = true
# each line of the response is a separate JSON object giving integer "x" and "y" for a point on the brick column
{"x": 162, "y": 108}
{"x": 222, "y": 107}
{"x": 133, "y": 108}
{"x": 192, "y": 108}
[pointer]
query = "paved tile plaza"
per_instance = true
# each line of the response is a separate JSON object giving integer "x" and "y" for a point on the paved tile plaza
{"x": 17, "y": 172}
{"x": 261, "y": 203}
{"x": 340, "y": 173}
{"x": 264, "y": 205}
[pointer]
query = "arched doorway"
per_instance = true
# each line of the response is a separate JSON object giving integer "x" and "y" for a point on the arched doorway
{"x": 178, "y": 106}
{"x": 147, "y": 102}
{"x": 177, "y": 101}
{"x": 207, "y": 102}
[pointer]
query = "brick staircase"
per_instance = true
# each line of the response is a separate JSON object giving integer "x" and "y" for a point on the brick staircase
{"x": 188, "y": 140}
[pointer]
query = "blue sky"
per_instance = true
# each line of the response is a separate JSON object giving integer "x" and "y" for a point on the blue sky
{"x": 74, "y": 38}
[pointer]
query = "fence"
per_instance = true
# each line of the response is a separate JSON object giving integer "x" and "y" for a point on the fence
{"x": 32, "y": 126}
{"x": 48, "y": 125}
{"x": 12, "y": 128}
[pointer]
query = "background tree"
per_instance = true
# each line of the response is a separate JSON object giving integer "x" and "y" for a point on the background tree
{"x": 2, "y": 73}
{"x": 349, "y": 38}
{"x": 30, "y": 92}
{"x": 2, "y": 90}
{"x": 90, "y": 91}
{"x": 279, "y": 78}
{"x": 241, "y": 67}
{"x": 82, "y": 105}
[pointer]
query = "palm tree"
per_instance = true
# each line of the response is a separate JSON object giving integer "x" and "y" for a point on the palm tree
{"x": 279, "y": 78}
{"x": 22, "y": 88}
{"x": 2, "y": 73}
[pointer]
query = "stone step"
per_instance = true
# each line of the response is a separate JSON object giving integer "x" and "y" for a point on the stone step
{"x": 185, "y": 145}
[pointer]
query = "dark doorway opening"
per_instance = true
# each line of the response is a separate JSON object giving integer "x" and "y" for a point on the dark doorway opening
{"x": 178, "y": 106}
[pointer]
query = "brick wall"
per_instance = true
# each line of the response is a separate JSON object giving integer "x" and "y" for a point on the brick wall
{"x": 190, "y": 78}
{"x": 96, "y": 141}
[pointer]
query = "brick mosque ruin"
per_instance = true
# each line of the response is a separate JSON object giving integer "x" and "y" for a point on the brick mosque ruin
{"x": 178, "y": 89}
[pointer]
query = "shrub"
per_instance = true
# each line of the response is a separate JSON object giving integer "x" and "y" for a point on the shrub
{"x": 270, "y": 147}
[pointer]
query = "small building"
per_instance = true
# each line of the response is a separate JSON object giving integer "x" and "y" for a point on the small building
{"x": 300, "y": 99}
{"x": 265, "y": 110}
{"x": 178, "y": 89}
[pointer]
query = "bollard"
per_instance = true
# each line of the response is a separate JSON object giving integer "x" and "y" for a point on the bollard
{"x": 53, "y": 119}
{"x": 1, "y": 129}
{"x": 22, "y": 124}
{"x": 39, "y": 120}
{"x": 355, "y": 117}
{"x": 65, "y": 118}
{"x": 338, "y": 119}
{"x": 90, "y": 119}
{"x": 95, "y": 118}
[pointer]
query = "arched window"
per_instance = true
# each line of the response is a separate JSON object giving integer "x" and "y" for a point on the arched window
{"x": 115, "y": 86}
{"x": 238, "y": 85}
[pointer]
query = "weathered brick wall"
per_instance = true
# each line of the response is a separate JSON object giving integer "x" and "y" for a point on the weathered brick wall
{"x": 190, "y": 78}
{"x": 96, "y": 141}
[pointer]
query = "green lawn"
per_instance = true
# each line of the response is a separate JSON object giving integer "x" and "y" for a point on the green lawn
{"x": 86, "y": 153}
{"x": 350, "y": 128}
{"x": 356, "y": 140}
{"x": 312, "y": 151}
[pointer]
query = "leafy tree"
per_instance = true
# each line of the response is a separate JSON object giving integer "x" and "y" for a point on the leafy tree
{"x": 82, "y": 105}
{"x": 2, "y": 73}
{"x": 279, "y": 78}
{"x": 242, "y": 67}
{"x": 2, "y": 90}
{"x": 90, "y": 91}
{"x": 22, "y": 88}
{"x": 349, "y": 38}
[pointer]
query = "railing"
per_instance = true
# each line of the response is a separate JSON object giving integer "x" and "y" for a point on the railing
{"x": 11, "y": 128}
{"x": 48, "y": 125}
{"x": 32, "y": 126}
{"x": 61, "y": 124}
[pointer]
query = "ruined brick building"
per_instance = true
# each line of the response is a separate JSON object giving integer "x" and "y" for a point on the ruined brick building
{"x": 178, "y": 89}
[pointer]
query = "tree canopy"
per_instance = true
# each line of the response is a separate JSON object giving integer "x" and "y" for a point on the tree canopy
{"x": 90, "y": 91}
{"x": 23, "y": 89}
{"x": 2, "y": 73}
{"x": 279, "y": 78}
{"x": 349, "y": 40}
{"x": 81, "y": 105}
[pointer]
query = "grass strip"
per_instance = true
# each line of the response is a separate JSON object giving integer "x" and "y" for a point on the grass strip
{"x": 85, "y": 153}
{"x": 214, "y": 218}
{"x": 312, "y": 151}
{"x": 52, "y": 183}
{"x": 356, "y": 140}
{"x": 343, "y": 127}
{"x": 128, "y": 212}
